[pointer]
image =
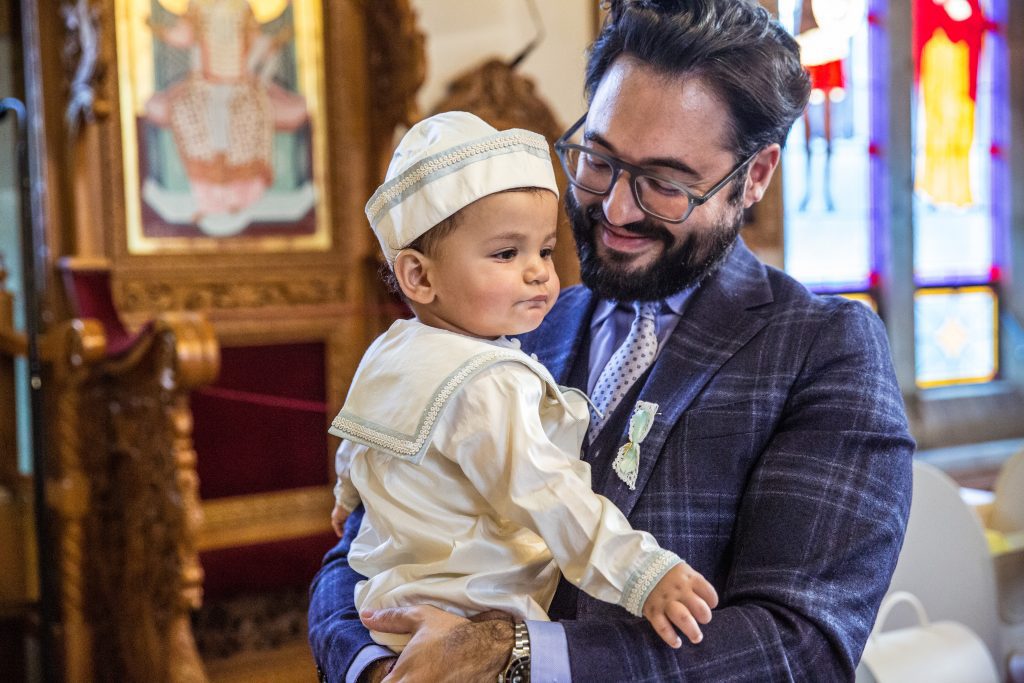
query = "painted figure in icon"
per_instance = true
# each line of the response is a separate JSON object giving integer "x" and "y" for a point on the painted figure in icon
{"x": 223, "y": 113}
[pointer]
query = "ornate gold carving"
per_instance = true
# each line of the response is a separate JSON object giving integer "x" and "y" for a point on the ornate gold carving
{"x": 124, "y": 490}
{"x": 134, "y": 296}
{"x": 265, "y": 517}
{"x": 82, "y": 54}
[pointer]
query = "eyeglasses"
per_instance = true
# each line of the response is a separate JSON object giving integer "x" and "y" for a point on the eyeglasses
{"x": 657, "y": 195}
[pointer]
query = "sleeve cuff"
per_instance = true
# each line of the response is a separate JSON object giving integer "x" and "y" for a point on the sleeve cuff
{"x": 367, "y": 656}
{"x": 644, "y": 578}
{"x": 549, "y": 652}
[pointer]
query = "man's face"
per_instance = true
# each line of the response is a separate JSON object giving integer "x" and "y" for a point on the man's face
{"x": 677, "y": 128}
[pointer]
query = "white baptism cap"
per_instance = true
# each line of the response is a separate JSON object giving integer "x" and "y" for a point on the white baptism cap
{"x": 445, "y": 163}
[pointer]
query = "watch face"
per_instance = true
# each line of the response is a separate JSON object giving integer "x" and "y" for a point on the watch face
{"x": 518, "y": 671}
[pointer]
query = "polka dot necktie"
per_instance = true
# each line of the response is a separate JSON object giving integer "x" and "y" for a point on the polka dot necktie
{"x": 626, "y": 365}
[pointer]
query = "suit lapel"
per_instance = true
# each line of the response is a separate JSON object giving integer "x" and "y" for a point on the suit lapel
{"x": 715, "y": 325}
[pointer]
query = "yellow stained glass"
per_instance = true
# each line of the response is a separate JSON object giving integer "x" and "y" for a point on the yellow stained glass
{"x": 943, "y": 171}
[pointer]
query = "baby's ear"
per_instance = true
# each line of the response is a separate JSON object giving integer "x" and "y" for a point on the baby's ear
{"x": 412, "y": 270}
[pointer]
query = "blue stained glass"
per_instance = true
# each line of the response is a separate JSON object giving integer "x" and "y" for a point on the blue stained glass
{"x": 955, "y": 333}
{"x": 826, "y": 167}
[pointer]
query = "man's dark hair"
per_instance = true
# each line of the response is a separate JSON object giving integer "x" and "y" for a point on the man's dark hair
{"x": 735, "y": 47}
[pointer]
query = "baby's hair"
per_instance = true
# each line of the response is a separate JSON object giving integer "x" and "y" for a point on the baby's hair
{"x": 428, "y": 243}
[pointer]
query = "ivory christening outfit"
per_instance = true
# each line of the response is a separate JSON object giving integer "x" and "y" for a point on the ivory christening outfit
{"x": 466, "y": 456}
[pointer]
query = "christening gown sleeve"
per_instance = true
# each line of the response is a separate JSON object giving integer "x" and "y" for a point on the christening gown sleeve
{"x": 495, "y": 433}
{"x": 345, "y": 493}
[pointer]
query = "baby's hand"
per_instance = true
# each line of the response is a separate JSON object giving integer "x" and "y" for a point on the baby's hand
{"x": 338, "y": 517}
{"x": 683, "y": 597}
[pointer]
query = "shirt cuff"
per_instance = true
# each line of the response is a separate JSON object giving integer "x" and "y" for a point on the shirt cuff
{"x": 549, "y": 652}
{"x": 367, "y": 656}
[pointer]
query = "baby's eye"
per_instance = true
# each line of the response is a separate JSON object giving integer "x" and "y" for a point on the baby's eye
{"x": 546, "y": 252}
{"x": 506, "y": 255}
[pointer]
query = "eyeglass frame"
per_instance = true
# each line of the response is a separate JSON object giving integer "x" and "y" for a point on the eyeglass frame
{"x": 562, "y": 145}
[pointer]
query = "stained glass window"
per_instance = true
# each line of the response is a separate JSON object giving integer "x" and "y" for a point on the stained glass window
{"x": 826, "y": 164}
{"x": 955, "y": 331}
{"x": 959, "y": 136}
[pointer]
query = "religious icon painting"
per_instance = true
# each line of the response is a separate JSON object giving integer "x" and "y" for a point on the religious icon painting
{"x": 222, "y": 125}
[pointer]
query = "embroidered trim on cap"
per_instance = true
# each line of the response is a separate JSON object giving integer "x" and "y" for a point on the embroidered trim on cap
{"x": 443, "y": 163}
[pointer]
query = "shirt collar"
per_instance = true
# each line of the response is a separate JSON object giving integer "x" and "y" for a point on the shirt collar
{"x": 674, "y": 304}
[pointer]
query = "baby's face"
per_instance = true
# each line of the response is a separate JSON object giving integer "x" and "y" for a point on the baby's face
{"x": 494, "y": 275}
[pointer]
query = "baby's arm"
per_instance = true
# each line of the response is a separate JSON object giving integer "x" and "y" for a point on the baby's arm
{"x": 684, "y": 598}
{"x": 494, "y": 432}
{"x": 346, "y": 497}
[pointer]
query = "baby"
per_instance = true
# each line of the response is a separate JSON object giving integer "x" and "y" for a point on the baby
{"x": 463, "y": 449}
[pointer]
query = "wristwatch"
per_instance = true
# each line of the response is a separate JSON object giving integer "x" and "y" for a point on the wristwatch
{"x": 518, "y": 668}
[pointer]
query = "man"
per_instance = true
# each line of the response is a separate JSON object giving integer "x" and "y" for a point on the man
{"x": 778, "y": 461}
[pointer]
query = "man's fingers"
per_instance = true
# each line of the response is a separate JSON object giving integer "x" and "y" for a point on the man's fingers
{"x": 391, "y": 620}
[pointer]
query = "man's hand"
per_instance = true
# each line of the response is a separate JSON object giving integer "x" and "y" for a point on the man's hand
{"x": 444, "y": 647}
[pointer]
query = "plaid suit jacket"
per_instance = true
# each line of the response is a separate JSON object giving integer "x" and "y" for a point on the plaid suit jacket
{"x": 779, "y": 466}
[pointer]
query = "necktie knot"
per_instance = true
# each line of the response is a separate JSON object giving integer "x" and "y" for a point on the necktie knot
{"x": 647, "y": 309}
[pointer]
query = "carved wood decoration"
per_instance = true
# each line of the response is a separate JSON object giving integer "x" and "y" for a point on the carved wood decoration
{"x": 11, "y": 346}
{"x": 137, "y": 295}
{"x": 82, "y": 59}
{"x": 125, "y": 493}
{"x": 398, "y": 67}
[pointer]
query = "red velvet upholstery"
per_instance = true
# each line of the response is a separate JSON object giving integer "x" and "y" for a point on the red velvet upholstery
{"x": 263, "y": 427}
{"x": 90, "y": 294}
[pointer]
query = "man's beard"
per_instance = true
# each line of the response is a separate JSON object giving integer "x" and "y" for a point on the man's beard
{"x": 680, "y": 265}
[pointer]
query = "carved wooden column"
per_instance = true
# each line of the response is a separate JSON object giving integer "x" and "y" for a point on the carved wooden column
{"x": 73, "y": 348}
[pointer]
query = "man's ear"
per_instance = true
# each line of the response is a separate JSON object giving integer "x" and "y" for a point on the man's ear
{"x": 412, "y": 270}
{"x": 759, "y": 174}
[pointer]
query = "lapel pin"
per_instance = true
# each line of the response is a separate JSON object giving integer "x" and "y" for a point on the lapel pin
{"x": 627, "y": 461}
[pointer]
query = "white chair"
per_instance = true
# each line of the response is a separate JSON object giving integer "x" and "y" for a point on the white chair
{"x": 946, "y": 562}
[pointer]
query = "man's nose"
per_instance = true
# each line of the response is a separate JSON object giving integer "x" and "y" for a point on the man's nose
{"x": 620, "y": 207}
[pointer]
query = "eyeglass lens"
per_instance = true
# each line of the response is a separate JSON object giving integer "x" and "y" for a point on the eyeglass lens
{"x": 596, "y": 174}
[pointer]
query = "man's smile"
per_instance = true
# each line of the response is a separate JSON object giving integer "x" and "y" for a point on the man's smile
{"x": 625, "y": 241}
